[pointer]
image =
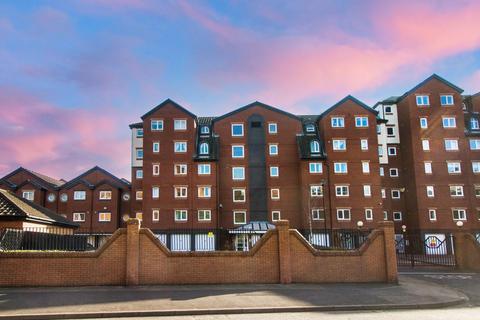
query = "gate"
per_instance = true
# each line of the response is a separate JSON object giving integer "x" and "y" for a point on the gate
{"x": 425, "y": 250}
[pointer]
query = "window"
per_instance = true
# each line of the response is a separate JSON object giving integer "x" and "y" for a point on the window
{"x": 340, "y": 167}
{"x": 454, "y": 167}
{"x": 341, "y": 191}
{"x": 180, "y": 169}
{"x": 364, "y": 144}
{"x": 316, "y": 191}
{"x": 365, "y": 167}
{"x": 275, "y": 215}
{"x": 204, "y": 169}
{"x": 428, "y": 167}
{"x": 423, "y": 123}
{"x": 315, "y": 167}
{"x": 204, "y": 215}
{"x": 392, "y": 151}
{"x": 139, "y": 174}
{"x": 204, "y": 130}
{"x": 180, "y": 147}
{"x": 139, "y": 153}
{"x": 28, "y": 195}
{"x": 204, "y": 192}
{"x": 388, "y": 109}
{"x": 446, "y": 100}
{"x": 423, "y": 100}
{"x": 459, "y": 214}
{"x": 274, "y": 172}
{"x": 181, "y": 215}
{"x": 474, "y": 124}
{"x": 338, "y": 122}
{"x": 180, "y": 192}
{"x": 238, "y": 173}
{"x": 384, "y": 193}
{"x": 273, "y": 149}
{"x": 204, "y": 148}
{"x": 155, "y": 192}
{"x": 385, "y": 215}
{"x": 79, "y": 216}
{"x": 104, "y": 216}
{"x": 310, "y": 128}
{"x": 361, "y": 122}
{"x": 367, "y": 190}
{"x": 157, "y": 125}
{"x": 451, "y": 144}
{"x": 395, "y": 194}
{"x": 430, "y": 192}
{"x": 380, "y": 151}
{"x": 339, "y": 144}
{"x": 390, "y": 131}
{"x": 343, "y": 214}
{"x": 272, "y": 128}
{"x": 393, "y": 172}
{"x": 477, "y": 190}
{"x": 139, "y": 195}
{"x": 275, "y": 194}
{"x": 379, "y": 129}
{"x": 456, "y": 191}
{"x": 425, "y": 145}
{"x": 318, "y": 214}
{"x": 139, "y": 133}
{"x": 156, "y": 147}
{"x": 474, "y": 144}
{"x": 476, "y": 166}
{"x": 156, "y": 169}
{"x": 397, "y": 216}
{"x": 368, "y": 214}
{"x": 432, "y": 214}
{"x": 449, "y": 122}
{"x": 105, "y": 195}
{"x": 179, "y": 124}
{"x": 239, "y": 217}
{"x": 79, "y": 195}
{"x": 382, "y": 171}
{"x": 237, "y": 129}
{"x": 237, "y": 151}
{"x": 314, "y": 146}
{"x": 155, "y": 215}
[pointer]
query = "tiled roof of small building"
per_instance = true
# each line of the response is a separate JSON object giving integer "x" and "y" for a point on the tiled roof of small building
{"x": 205, "y": 121}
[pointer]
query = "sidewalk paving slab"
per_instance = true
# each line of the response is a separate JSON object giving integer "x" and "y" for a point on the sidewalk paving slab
{"x": 102, "y": 302}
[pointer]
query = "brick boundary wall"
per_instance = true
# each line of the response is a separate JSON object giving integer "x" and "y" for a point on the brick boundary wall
{"x": 467, "y": 252}
{"x": 133, "y": 256}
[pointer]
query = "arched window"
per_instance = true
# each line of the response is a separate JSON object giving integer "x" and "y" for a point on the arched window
{"x": 310, "y": 128}
{"x": 314, "y": 146}
{"x": 204, "y": 148}
{"x": 205, "y": 130}
{"x": 474, "y": 125}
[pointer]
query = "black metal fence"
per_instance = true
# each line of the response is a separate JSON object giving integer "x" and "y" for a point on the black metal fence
{"x": 50, "y": 239}
{"x": 419, "y": 249}
{"x": 337, "y": 239}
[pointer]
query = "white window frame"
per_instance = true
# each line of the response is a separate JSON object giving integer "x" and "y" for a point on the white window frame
{"x": 365, "y": 167}
{"x": 454, "y": 165}
{"x": 179, "y": 124}
{"x": 458, "y": 191}
{"x": 139, "y": 195}
{"x": 105, "y": 195}
{"x": 448, "y": 100}
{"x": 272, "y": 191}
{"x": 432, "y": 214}
{"x": 314, "y": 146}
{"x": 337, "y": 122}
{"x": 156, "y": 125}
{"x": 318, "y": 214}
{"x": 272, "y": 128}
{"x": 430, "y": 191}
{"x": 341, "y": 214}
{"x": 77, "y": 217}
{"x": 342, "y": 188}
{"x": 204, "y": 194}
{"x": 395, "y": 191}
{"x": 361, "y": 121}
{"x": 368, "y": 214}
{"x": 155, "y": 169}
{"x": 278, "y": 217}
{"x": 364, "y": 144}
{"x": 273, "y": 149}
{"x": 28, "y": 195}
{"x": 424, "y": 123}
{"x": 383, "y": 193}
{"x": 397, "y": 216}
{"x": 315, "y": 167}
{"x": 316, "y": 191}
{"x": 204, "y": 148}
{"x": 367, "y": 191}
{"x": 139, "y": 216}
{"x": 155, "y": 215}
{"x": 180, "y": 167}
{"x": 77, "y": 195}
{"x": 339, "y": 144}
{"x": 425, "y": 145}
{"x": 180, "y": 192}
{"x": 178, "y": 149}
{"x": 202, "y": 169}
{"x": 476, "y": 167}
{"x": 339, "y": 166}
{"x": 238, "y": 169}
{"x": 139, "y": 173}
{"x": 474, "y": 144}
{"x": 243, "y": 151}
{"x": 395, "y": 171}
{"x": 204, "y": 215}
{"x": 422, "y": 100}
{"x": 272, "y": 171}
{"x": 243, "y": 193}
{"x": 392, "y": 151}
{"x": 427, "y": 166}
{"x": 449, "y": 122}
{"x": 104, "y": 216}
{"x": 180, "y": 215}
{"x": 237, "y": 125}
{"x": 451, "y": 144}
{"x": 461, "y": 217}
{"x": 155, "y": 192}
{"x": 156, "y": 147}
{"x": 244, "y": 214}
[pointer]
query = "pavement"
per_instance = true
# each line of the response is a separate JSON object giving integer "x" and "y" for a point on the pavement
{"x": 412, "y": 292}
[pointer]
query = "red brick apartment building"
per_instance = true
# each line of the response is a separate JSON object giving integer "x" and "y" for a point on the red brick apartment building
{"x": 96, "y": 200}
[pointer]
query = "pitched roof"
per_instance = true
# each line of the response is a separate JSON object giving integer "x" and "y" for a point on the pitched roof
{"x": 168, "y": 101}
{"x": 347, "y": 98}
{"x": 79, "y": 179}
{"x": 44, "y": 180}
{"x": 256, "y": 103}
{"x": 136, "y": 125}
{"x": 205, "y": 121}
{"x": 433, "y": 76}
{"x": 14, "y": 207}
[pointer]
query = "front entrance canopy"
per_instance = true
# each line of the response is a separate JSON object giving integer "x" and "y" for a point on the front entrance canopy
{"x": 254, "y": 227}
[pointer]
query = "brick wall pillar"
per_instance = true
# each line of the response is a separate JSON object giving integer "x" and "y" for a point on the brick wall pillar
{"x": 467, "y": 252}
{"x": 283, "y": 231}
{"x": 133, "y": 252}
{"x": 390, "y": 251}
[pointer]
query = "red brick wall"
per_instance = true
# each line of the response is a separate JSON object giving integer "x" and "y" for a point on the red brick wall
{"x": 282, "y": 255}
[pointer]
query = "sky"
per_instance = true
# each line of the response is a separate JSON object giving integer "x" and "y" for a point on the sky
{"x": 74, "y": 74}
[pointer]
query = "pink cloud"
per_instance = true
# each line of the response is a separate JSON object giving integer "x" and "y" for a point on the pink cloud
{"x": 58, "y": 141}
{"x": 472, "y": 82}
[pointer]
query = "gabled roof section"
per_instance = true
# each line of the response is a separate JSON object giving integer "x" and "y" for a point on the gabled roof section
{"x": 14, "y": 207}
{"x": 433, "y": 76}
{"x": 205, "y": 121}
{"x": 80, "y": 178}
{"x": 256, "y": 103}
{"x": 168, "y": 101}
{"x": 44, "y": 180}
{"x": 348, "y": 98}
{"x": 136, "y": 125}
